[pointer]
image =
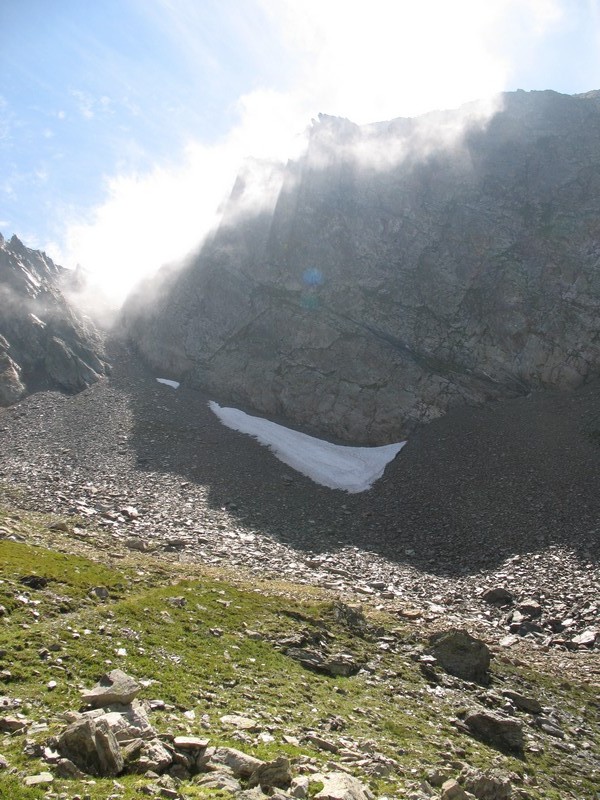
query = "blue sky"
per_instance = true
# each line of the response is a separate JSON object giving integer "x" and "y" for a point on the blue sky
{"x": 123, "y": 122}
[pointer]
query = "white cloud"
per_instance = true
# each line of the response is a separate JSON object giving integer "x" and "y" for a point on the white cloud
{"x": 365, "y": 61}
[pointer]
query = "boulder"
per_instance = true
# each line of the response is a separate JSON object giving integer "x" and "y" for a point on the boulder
{"x": 343, "y": 664}
{"x": 219, "y": 780}
{"x": 452, "y": 790}
{"x": 488, "y": 785}
{"x": 460, "y": 654}
{"x": 114, "y": 687}
{"x": 522, "y": 702}
{"x": 275, "y": 773}
{"x": 152, "y": 756}
{"x": 241, "y": 764}
{"x": 92, "y": 746}
{"x": 502, "y": 732}
{"x": 340, "y": 786}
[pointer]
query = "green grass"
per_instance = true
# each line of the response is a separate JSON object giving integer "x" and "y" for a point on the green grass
{"x": 185, "y": 634}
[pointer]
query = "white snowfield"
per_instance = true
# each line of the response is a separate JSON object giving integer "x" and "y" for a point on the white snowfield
{"x": 167, "y": 382}
{"x": 353, "y": 469}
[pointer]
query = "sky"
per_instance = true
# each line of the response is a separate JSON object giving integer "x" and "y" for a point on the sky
{"x": 123, "y": 123}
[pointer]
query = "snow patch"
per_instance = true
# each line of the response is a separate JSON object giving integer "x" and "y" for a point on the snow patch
{"x": 353, "y": 469}
{"x": 167, "y": 382}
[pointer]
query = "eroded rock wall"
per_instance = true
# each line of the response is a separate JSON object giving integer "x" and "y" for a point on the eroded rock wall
{"x": 400, "y": 271}
{"x": 44, "y": 342}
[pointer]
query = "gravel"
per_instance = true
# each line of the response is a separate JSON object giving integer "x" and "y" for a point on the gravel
{"x": 506, "y": 495}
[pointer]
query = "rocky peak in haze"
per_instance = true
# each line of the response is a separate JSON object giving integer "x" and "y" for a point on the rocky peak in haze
{"x": 403, "y": 268}
{"x": 44, "y": 342}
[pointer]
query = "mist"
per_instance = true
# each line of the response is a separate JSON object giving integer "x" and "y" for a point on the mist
{"x": 385, "y": 62}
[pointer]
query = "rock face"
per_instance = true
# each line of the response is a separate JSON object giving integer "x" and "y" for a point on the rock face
{"x": 401, "y": 269}
{"x": 44, "y": 342}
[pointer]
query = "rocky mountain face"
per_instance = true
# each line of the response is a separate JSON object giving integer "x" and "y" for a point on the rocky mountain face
{"x": 401, "y": 269}
{"x": 44, "y": 342}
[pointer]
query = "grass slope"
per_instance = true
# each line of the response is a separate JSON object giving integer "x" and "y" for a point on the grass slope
{"x": 209, "y": 644}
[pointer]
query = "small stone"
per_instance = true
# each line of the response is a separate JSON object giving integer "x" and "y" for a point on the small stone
{"x": 240, "y": 722}
{"x": 99, "y": 592}
{"x": 299, "y": 787}
{"x": 130, "y": 512}
{"x": 190, "y": 743}
{"x": 12, "y": 725}
{"x": 522, "y": 702}
{"x": 452, "y": 790}
{"x": 219, "y": 780}
{"x": 39, "y": 780}
{"x": 530, "y": 608}
{"x": 587, "y": 638}
{"x": 497, "y": 596}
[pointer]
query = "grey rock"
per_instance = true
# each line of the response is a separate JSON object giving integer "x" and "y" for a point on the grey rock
{"x": 127, "y": 721}
{"x": 114, "y": 687}
{"x": 497, "y": 596}
{"x": 530, "y": 608}
{"x": 275, "y": 773}
{"x": 190, "y": 742}
{"x": 488, "y": 785}
{"x": 153, "y": 756}
{"x": 92, "y": 746}
{"x": 502, "y": 732}
{"x": 65, "y": 768}
{"x": 299, "y": 787}
{"x": 587, "y": 638}
{"x": 522, "y": 702}
{"x": 341, "y": 786}
{"x": 241, "y": 764}
{"x": 240, "y": 722}
{"x": 219, "y": 780}
{"x": 41, "y": 779}
{"x": 452, "y": 790}
{"x": 343, "y": 664}
{"x": 460, "y": 654}
{"x": 12, "y": 725}
{"x": 12, "y": 388}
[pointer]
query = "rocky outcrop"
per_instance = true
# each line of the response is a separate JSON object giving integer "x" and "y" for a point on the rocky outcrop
{"x": 403, "y": 269}
{"x": 44, "y": 342}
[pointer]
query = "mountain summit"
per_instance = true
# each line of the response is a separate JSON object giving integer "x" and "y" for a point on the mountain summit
{"x": 402, "y": 268}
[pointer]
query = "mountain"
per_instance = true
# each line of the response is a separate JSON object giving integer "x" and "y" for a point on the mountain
{"x": 45, "y": 343}
{"x": 401, "y": 268}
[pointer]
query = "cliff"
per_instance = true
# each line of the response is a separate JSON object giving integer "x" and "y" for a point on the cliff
{"x": 402, "y": 268}
{"x": 44, "y": 342}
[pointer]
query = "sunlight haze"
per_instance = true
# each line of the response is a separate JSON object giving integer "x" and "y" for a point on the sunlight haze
{"x": 123, "y": 124}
